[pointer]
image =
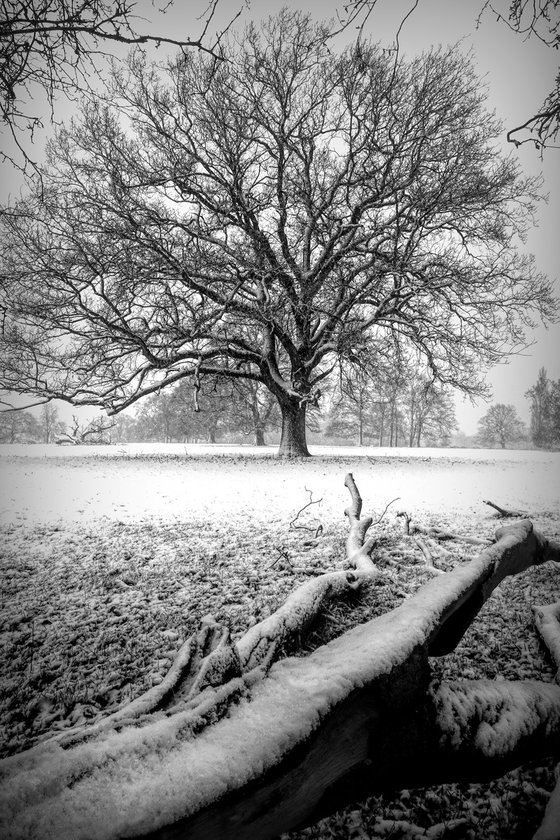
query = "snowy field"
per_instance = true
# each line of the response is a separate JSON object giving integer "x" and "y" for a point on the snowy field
{"x": 176, "y": 482}
{"x": 110, "y": 556}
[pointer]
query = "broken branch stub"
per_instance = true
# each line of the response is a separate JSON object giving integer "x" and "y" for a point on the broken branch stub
{"x": 308, "y": 734}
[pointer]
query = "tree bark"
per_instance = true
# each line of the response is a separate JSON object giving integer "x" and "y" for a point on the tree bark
{"x": 302, "y": 735}
{"x": 293, "y": 443}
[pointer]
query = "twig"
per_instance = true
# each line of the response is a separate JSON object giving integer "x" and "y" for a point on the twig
{"x": 317, "y": 529}
{"x": 385, "y": 511}
{"x": 282, "y": 555}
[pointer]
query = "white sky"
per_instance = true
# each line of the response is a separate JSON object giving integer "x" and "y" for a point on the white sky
{"x": 518, "y": 73}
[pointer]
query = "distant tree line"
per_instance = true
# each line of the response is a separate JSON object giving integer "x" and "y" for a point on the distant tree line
{"x": 210, "y": 411}
{"x": 396, "y": 407}
{"x": 25, "y": 427}
{"x": 389, "y": 403}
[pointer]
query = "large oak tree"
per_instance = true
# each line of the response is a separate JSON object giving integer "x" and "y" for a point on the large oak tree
{"x": 265, "y": 217}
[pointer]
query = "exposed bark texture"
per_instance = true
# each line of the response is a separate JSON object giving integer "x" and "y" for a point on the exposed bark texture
{"x": 293, "y": 442}
{"x": 302, "y": 736}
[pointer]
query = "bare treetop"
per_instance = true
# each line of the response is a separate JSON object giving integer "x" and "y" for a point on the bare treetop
{"x": 540, "y": 21}
{"x": 54, "y": 45}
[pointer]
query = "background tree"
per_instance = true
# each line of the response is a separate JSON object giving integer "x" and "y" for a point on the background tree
{"x": 95, "y": 431}
{"x": 397, "y": 405}
{"x": 545, "y": 411}
{"x": 264, "y": 217}
{"x": 51, "y": 425}
{"x": 122, "y": 430}
{"x": 429, "y": 413}
{"x": 253, "y": 410}
{"x": 19, "y": 427}
{"x": 56, "y": 46}
{"x": 500, "y": 424}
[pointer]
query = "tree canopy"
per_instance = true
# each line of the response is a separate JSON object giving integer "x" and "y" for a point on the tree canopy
{"x": 265, "y": 217}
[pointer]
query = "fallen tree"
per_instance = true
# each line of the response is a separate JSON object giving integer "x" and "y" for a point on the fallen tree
{"x": 92, "y": 432}
{"x": 243, "y": 740}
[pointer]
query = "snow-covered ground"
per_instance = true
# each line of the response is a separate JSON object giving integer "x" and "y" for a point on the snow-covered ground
{"x": 178, "y": 482}
{"x": 111, "y": 555}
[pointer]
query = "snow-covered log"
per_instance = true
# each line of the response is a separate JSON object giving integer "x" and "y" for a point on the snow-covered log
{"x": 239, "y": 742}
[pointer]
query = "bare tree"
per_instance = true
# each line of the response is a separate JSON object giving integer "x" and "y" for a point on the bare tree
{"x": 19, "y": 427}
{"x": 254, "y": 410}
{"x": 500, "y": 424}
{"x": 56, "y": 46}
{"x": 429, "y": 412}
{"x": 264, "y": 217}
{"x": 390, "y": 396}
{"x": 94, "y": 431}
{"x": 50, "y": 422}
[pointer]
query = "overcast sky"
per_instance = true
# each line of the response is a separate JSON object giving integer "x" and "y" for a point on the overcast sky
{"x": 518, "y": 74}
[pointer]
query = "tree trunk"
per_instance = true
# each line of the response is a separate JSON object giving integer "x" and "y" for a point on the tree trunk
{"x": 293, "y": 442}
{"x": 361, "y": 425}
{"x": 259, "y": 436}
{"x": 381, "y": 423}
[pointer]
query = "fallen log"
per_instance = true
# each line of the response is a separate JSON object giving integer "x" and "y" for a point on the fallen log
{"x": 243, "y": 741}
